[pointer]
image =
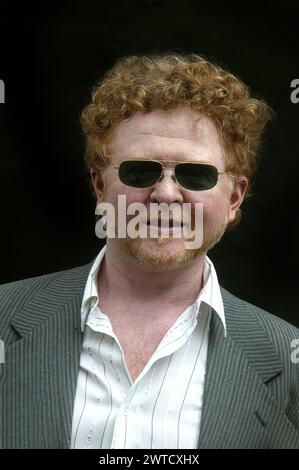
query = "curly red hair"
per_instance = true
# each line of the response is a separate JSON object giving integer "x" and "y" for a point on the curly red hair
{"x": 144, "y": 83}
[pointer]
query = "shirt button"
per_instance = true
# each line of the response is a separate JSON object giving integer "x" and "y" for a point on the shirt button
{"x": 127, "y": 410}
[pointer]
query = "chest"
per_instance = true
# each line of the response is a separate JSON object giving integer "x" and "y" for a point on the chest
{"x": 138, "y": 348}
{"x": 150, "y": 413}
{"x": 139, "y": 330}
{"x": 138, "y": 334}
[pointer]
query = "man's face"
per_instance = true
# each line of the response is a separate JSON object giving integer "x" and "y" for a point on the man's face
{"x": 170, "y": 136}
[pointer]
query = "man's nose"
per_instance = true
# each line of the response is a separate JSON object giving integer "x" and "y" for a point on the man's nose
{"x": 166, "y": 189}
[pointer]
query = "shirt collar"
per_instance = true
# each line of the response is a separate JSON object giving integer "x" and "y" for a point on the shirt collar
{"x": 209, "y": 294}
{"x": 90, "y": 296}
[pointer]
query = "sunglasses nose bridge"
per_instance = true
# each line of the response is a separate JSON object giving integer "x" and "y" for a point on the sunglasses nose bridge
{"x": 173, "y": 177}
{"x": 172, "y": 170}
{"x": 166, "y": 190}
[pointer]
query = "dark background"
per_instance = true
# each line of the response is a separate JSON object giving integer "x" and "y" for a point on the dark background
{"x": 49, "y": 61}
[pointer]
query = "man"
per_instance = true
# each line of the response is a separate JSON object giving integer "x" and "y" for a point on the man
{"x": 142, "y": 348}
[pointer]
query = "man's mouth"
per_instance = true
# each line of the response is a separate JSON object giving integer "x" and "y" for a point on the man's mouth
{"x": 165, "y": 227}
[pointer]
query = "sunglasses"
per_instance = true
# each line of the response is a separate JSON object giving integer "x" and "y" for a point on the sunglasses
{"x": 192, "y": 176}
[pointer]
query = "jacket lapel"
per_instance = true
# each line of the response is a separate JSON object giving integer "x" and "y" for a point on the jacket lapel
{"x": 238, "y": 409}
{"x": 43, "y": 365}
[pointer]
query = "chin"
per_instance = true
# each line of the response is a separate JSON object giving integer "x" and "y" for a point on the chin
{"x": 160, "y": 252}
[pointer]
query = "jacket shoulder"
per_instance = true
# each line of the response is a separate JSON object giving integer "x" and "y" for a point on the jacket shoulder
{"x": 281, "y": 333}
{"x": 262, "y": 329}
{"x": 15, "y": 295}
{"x": 271, "y": 322}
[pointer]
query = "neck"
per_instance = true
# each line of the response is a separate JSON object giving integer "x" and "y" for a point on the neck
{"x": 122, "y": 276}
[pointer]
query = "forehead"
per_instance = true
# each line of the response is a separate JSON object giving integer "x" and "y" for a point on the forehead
{"x": 177, "y": 134}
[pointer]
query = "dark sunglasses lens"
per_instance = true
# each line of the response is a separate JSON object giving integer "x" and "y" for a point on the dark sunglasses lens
{"x": 139, "y": 174}
{"x": 196, "y": 176}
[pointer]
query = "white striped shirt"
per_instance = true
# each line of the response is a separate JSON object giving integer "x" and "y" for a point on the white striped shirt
{"x": 162, "y": 408}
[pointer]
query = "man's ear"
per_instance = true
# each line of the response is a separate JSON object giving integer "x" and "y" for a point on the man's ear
{"x": 98, "y": 183}
{"x": 240, "y": 185}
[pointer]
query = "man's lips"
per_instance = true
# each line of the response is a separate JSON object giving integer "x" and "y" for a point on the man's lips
{"x": 165, "y": 227}
{"x": 165, "y": 223}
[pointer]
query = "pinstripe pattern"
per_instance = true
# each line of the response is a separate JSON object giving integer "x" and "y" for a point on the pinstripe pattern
{"x": 126, "y": 421}
{"x": 237, "y": 376}
{"x": 251, "y": 397}
{"x": 110, "y": 394}
{"x": 191, "y": 377}
{"x": 85, "y": 396}
{"x": 156, "y": 401}
{"x": 34, "y": 388}
{"x": 162, "y": 407}
{"x": 154, "y": 410}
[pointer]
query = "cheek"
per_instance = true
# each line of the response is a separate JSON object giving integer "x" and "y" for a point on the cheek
{"x": 135, "y": 195}
{"x": 128, "y": 196}
{"x": 215, "y": 210}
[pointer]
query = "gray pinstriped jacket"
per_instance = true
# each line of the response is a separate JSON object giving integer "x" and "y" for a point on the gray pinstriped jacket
{"x": 251, "y": 397}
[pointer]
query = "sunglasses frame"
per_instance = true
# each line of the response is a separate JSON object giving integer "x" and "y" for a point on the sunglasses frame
{"x": 163, "y": 166}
